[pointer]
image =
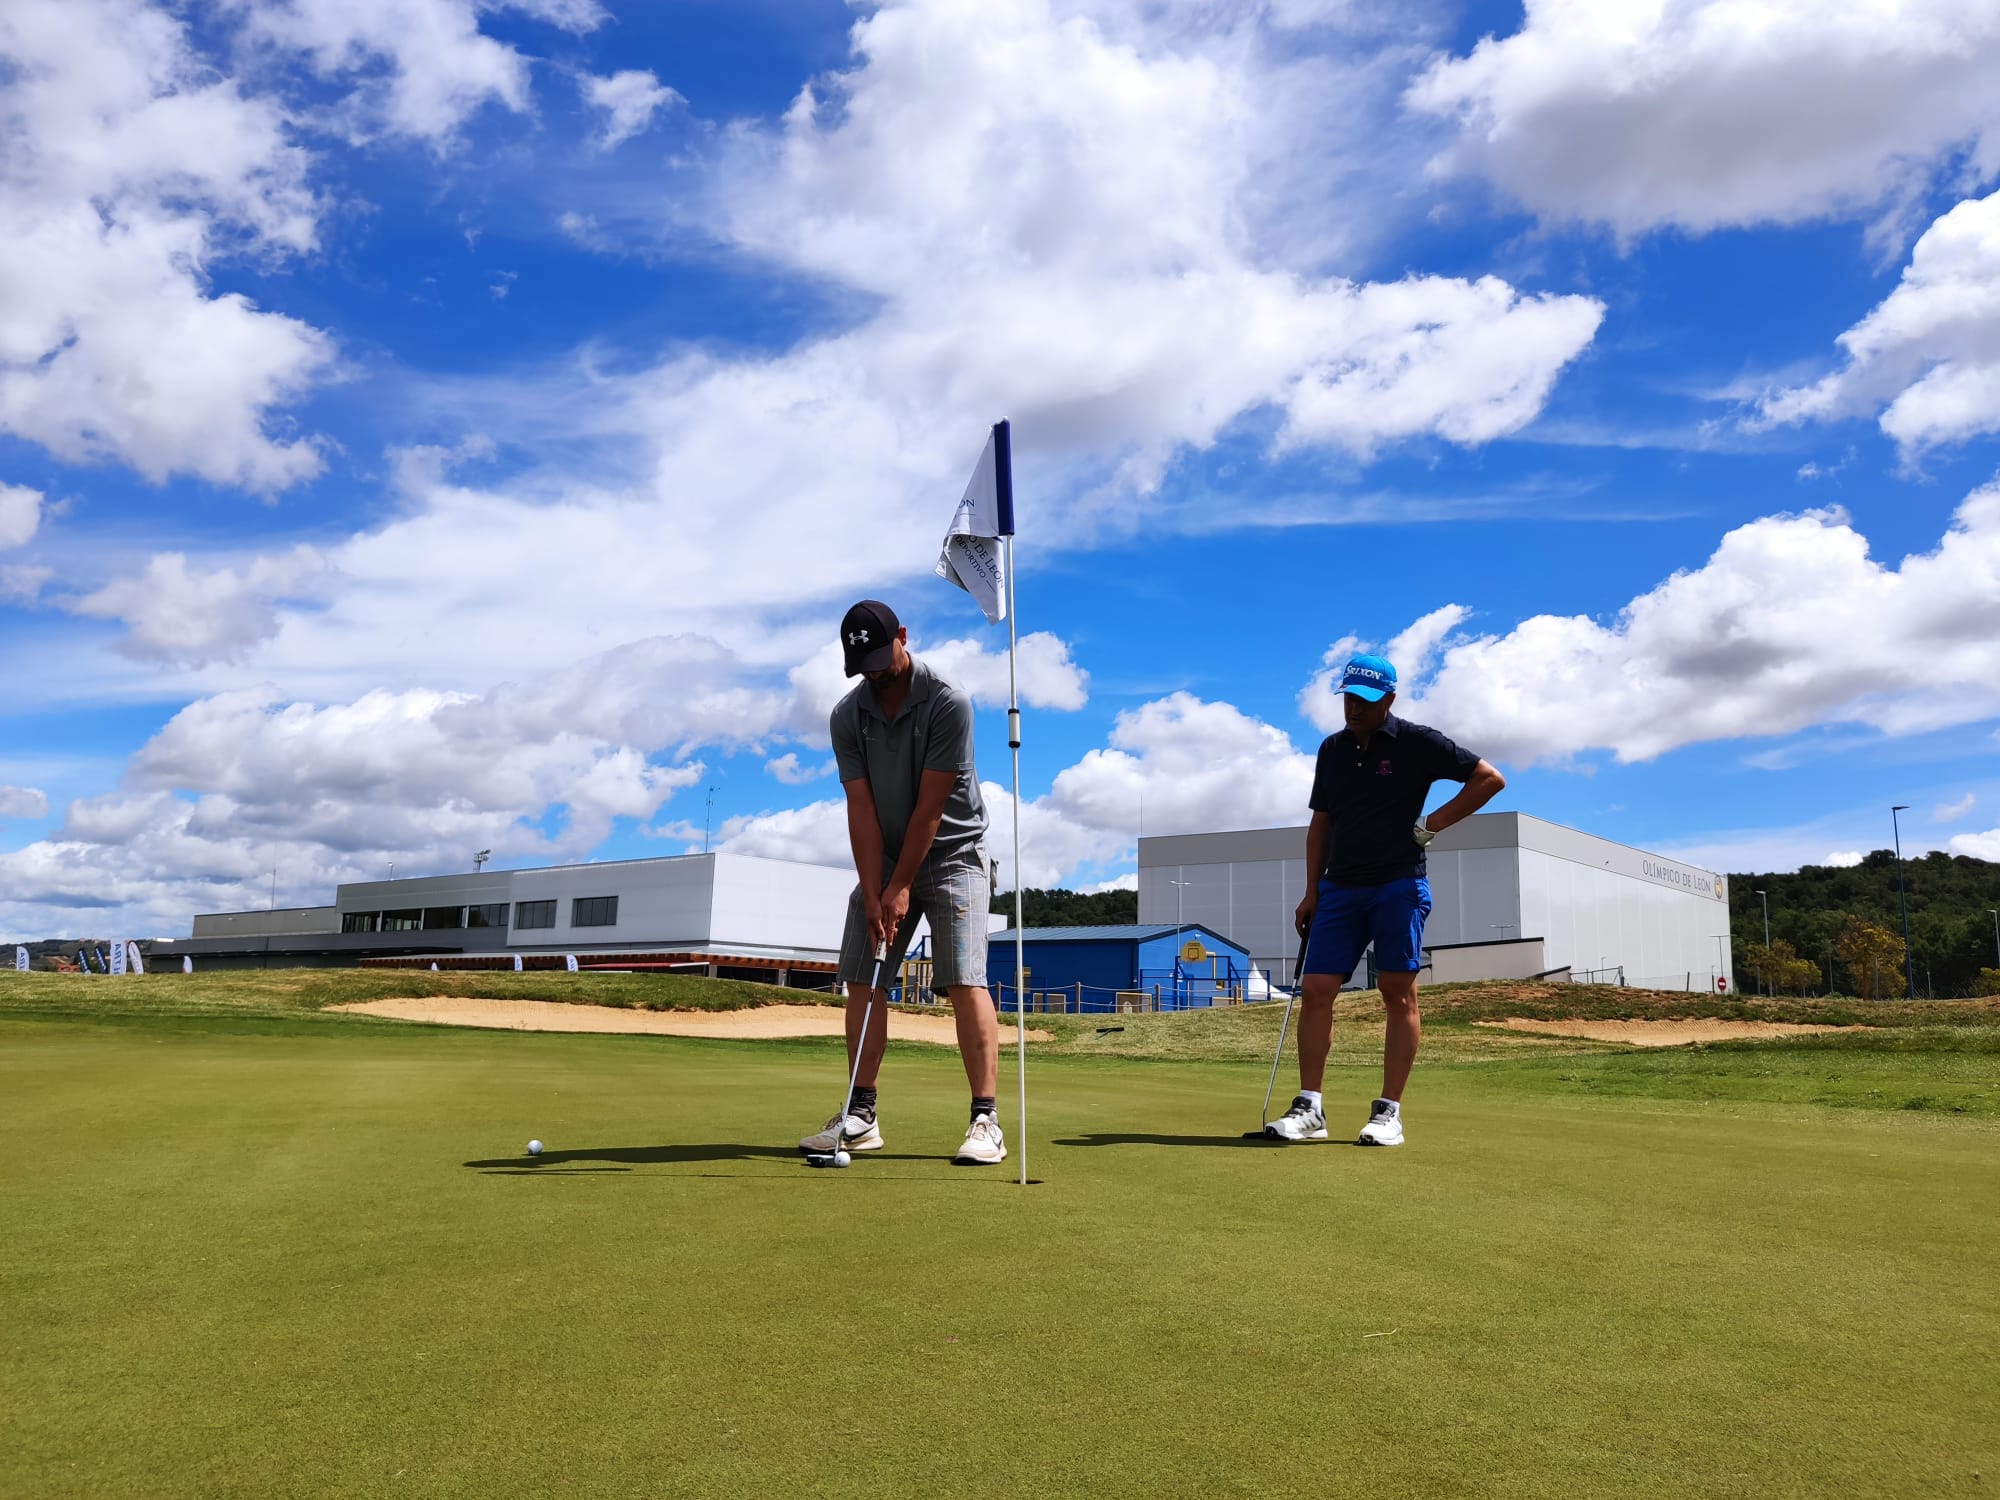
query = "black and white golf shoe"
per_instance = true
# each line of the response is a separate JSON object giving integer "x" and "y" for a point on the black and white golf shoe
{"x": 1385, "y": 1125}
{"x": 850, "y": 1134}
{"x": 1304, "y": 1121}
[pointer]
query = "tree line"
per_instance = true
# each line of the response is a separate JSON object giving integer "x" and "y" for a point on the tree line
{"x": 1060, "y": 908}
{"x": 1841, "y": 928}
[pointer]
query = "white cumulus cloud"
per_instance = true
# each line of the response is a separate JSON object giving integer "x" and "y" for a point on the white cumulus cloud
{"x": 20, "y": 514}
{"x": 22, "y": 802}
{"x": 1791, "y": 623}
{"x": 1705, "y": 113}
{"x": 628, "y": 100}
{"x": 415, "y": 68}
{"x": 1927, "y": 359}
{"x": 131, "y": 170}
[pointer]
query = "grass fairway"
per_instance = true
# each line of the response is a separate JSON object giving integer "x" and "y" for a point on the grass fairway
{"x": 260, "y": 1254}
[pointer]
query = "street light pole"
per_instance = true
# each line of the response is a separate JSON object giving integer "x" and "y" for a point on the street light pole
{"x": 1766, "y": 975}
{"x": 1996, "y": 933}
{"x": 1902, "y": 898}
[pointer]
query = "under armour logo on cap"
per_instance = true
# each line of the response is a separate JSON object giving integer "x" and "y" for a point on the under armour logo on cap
{"x": 868, "y": 632}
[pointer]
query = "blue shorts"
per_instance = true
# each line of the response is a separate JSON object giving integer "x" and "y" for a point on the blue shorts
{"x": 1350, "y": 917}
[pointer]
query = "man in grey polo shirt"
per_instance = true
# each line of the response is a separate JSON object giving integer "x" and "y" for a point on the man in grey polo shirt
{"x": 902, "y": 741}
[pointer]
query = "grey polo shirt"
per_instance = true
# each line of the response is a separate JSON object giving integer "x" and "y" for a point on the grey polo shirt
{"x": 932, "y": 731}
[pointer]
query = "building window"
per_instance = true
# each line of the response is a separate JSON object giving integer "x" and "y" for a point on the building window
{"x": 409, "y": 920}
{"x": 594, "y": 911}
{"x": 438, "y": 917}
{"x": 534, "y": 914}
{"x": 361, "y": 921}
{"x": 486, "y": 916}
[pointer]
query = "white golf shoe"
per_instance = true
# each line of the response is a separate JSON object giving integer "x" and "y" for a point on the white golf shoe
{"x": 1304, "y": 1121}
{"x": 850, "y": 1134}
{"x": 983, "y": 1144}
{"x": 1384, "y": 1127}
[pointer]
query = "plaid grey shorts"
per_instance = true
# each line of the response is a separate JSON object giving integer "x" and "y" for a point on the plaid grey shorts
{"x": 955, "y": 892}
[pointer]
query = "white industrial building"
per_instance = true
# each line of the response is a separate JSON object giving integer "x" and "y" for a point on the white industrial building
{"x": 1512, "y": 897}
{"x": 729, "y": 914}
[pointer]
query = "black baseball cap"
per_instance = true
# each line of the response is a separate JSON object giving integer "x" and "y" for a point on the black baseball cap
{"x": 868, "y": 636}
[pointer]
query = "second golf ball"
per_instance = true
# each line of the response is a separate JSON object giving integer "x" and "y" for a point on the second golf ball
{"x": 534, "y": 1148}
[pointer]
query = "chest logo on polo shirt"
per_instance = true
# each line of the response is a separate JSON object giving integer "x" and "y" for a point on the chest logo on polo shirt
{"x": 1385, "y": 769}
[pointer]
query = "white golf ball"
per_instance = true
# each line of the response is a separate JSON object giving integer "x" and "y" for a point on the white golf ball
{"x": 534, "y": 1148}
{"x": 841, "y": 1159}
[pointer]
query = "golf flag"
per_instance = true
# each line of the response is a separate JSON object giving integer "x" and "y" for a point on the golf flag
{"x": 569, "y": 962}
{"x": 979, "y": 558}
{"x": 21, "y": 958}
{"x": 136, "y": 962}
{"x": 517, "y": 963}
{"x": 187, "y": 963}
{"x": 973, "y": 557}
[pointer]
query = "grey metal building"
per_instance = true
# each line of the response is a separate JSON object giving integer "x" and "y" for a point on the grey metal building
{"x": 1513, "y": 896}
{"x": 725, "y": 912}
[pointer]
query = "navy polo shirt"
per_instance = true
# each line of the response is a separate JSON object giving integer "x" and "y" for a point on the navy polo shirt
{"x": 1373, "y": 798}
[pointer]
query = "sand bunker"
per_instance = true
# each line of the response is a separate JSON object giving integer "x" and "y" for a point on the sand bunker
{"x": 1678, "y": 1033}
{"x": 550, "y": 1015}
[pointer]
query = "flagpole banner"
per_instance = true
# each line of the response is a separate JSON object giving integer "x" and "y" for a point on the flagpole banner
{"x": 187, "y": 963}
{"x": 118, "y": 957}
{"x": 135, "y": 960}
{"x": 972, "y": 557}
{"x": 21, "y": 958}
{"x": 570, "y": 962}
{"x": 517, "y": 963}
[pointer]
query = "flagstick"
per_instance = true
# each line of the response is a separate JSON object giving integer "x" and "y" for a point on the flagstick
{"x": 1020, "y": 938}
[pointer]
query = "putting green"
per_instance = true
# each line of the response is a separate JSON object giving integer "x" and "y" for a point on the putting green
{"x": 257, "y": 1256}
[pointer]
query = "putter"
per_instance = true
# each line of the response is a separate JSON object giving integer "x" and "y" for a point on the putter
{"x": 837, "y": 1157}
{"x": 1263, "y": 1130}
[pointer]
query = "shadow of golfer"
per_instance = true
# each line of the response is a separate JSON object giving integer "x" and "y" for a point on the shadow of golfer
{"x": 1133, "y": 1139}
{"x": 637, "y": 1156}
{"x": 624, "y": 1158}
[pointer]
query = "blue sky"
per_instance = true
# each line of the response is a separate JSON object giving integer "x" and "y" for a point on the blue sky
{"x": 429, "y": 426}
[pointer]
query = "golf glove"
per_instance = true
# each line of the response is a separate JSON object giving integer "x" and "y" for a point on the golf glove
{"x": 1422, "y": 834}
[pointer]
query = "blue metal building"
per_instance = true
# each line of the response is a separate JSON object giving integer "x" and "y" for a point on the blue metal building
{"x": 1163, "y": 966}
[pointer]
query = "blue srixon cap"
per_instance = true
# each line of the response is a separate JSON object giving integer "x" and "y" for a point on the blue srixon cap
{"x": 1369, "y": 677}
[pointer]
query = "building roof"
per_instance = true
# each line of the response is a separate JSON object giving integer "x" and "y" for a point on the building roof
{"x": 1123, "y": 932}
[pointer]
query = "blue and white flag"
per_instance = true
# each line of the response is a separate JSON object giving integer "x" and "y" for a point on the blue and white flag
{"x": 570, "y": 962}
{"x": 973, "y": 557}
{"x": 21, "y": 958}
{"x": 137, "y": 961}
{"x": 187, "y": 963}
{"x": 517, "y": 963}
{"x": 118, "y": 957}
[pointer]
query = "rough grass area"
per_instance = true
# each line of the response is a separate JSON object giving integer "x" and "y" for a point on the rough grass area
{"x": 246, "y": 1255}
{"x": 242, "y": 991}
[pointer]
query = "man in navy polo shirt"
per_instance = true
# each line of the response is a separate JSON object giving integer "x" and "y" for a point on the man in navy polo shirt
{"x": 1365, "y": 861}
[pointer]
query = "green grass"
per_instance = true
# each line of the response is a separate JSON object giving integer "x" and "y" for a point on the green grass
{"x": 262, "y": 1251}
